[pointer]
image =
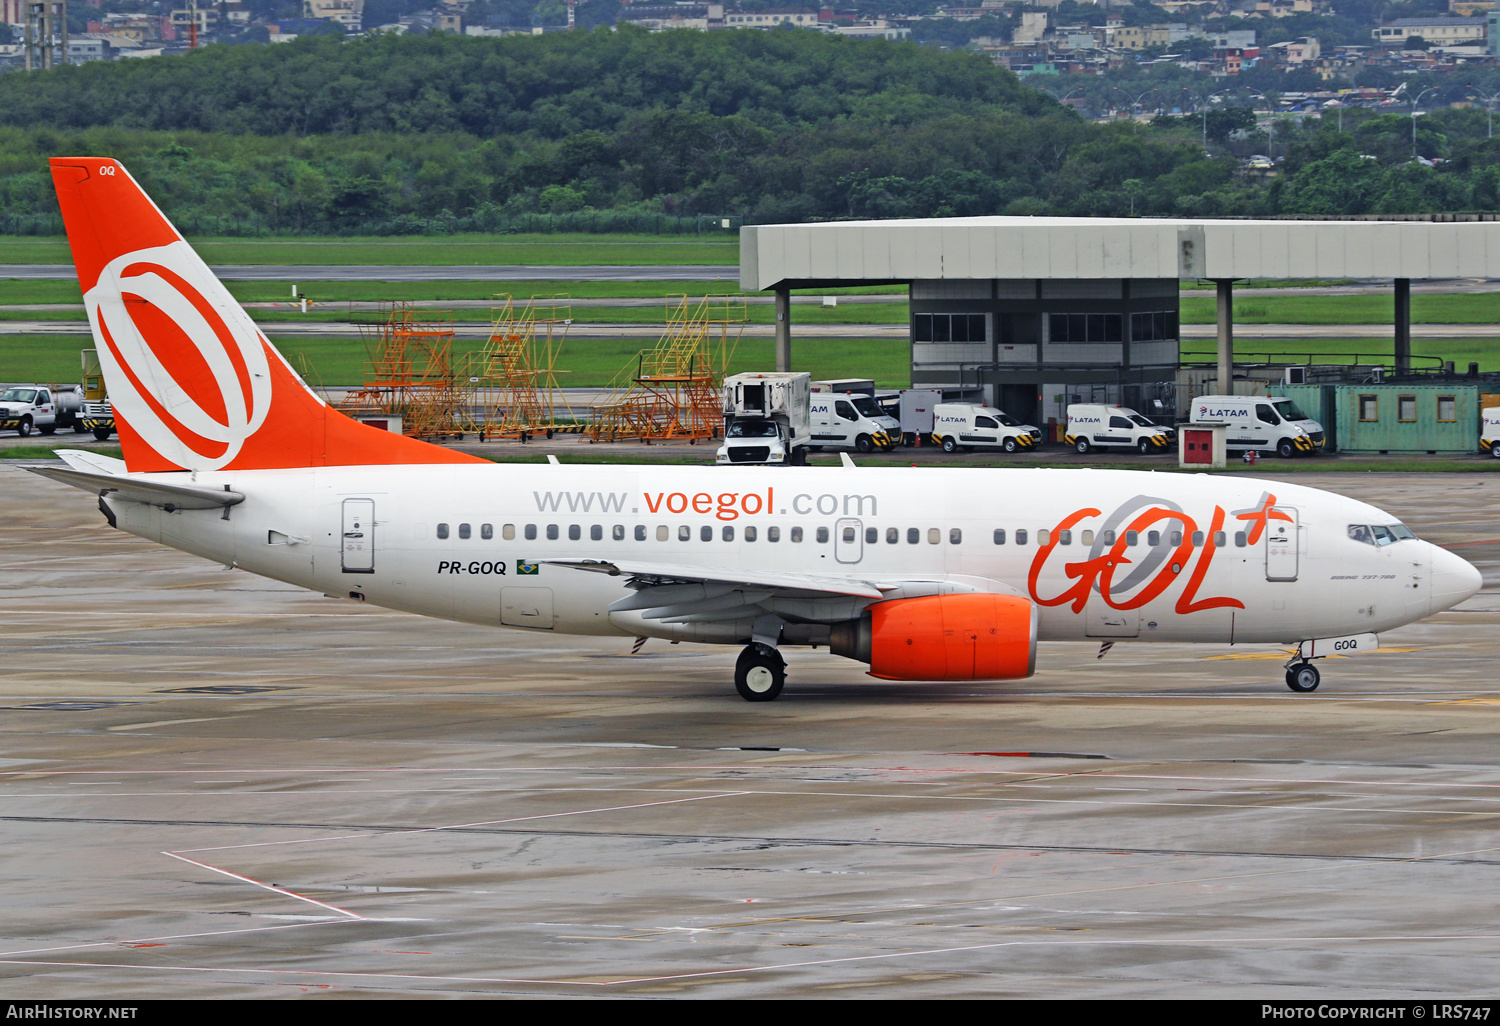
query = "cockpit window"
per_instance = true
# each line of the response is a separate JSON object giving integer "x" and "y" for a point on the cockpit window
{"x": 752, "y": 429}
{"x": 1379, "y": 535}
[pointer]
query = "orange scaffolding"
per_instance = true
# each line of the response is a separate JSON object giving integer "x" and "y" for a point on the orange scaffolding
{"x": 517, "y": 368}
{"x": 672, "y": 391}
{"x": 410, "y": 373}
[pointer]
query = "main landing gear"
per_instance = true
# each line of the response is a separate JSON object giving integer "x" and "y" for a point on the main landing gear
{"x": 1302, "y": 676}
{"x": 760, "y": 673}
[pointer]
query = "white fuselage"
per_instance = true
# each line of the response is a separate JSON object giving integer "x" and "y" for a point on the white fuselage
{"x": 373, "y": 533}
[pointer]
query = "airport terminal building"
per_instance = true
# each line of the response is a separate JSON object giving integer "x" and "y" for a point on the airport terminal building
{"x": 1035, "y": 312}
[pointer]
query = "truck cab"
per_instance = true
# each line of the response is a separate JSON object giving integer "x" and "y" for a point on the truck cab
{"x": 1260, "y": 422}
{"x": 1102, "y": 426}
{"x": 966, "y": 426}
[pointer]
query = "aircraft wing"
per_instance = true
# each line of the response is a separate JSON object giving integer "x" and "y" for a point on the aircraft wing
{"x": 651, "y": 575}
{"x": 167, "y": 495}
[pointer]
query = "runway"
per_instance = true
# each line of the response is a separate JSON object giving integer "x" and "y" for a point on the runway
{"x": 217, "y": 786}
{"x": 423, "y": 272}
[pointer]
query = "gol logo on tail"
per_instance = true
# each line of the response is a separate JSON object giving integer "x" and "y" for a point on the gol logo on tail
{"x": 187, "y": 370}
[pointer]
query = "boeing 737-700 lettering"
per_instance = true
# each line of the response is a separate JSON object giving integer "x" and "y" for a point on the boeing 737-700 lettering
{"x": 937, "y": 574}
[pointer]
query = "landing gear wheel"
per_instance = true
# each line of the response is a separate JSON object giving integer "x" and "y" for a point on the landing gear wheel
{"x": 949, "y": 445}
{"x": 1303, "y": 677}
{"x": 1082, "y": 446}
{"x": 759, "y": 674}
{"x": 1010, "y": 445}
{"x": 1286, "y": 450}
{"x": 864, "y": 443}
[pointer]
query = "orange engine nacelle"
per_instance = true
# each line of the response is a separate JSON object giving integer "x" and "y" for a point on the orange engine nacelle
{"x": 943, "y": 637}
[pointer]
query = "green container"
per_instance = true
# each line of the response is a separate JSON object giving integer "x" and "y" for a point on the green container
{"x": 1419, "y": 419}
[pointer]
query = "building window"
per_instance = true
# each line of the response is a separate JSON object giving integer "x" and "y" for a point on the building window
{"x": 1085, "y": 327}
{"x": 1447, "y": 411}
{"x": 1406, "y": 409}
{"x": 1157, "y": 326}
{"x": 1369, "y": 409}
{"x": 948, "y": 328}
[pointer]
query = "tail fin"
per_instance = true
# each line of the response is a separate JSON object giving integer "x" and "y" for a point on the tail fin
{"x": 194, "y": 383}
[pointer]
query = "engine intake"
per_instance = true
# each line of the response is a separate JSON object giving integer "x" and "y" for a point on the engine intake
{"x": 943, "y": 637}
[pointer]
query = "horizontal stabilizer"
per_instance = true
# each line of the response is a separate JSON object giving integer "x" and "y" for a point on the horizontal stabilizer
{"x": 91, "y": 462}
{"x": 152, "y": 493}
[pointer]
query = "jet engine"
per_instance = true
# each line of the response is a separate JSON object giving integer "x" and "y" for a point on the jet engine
{"x": 943, "y": 637}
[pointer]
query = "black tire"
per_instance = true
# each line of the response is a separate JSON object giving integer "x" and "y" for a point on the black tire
{"x": 1286, "y": 450}
{"x": 47, "y": 429}
{"x": 758, "y": 676}
{"x": 1082, "y": 446}
{"x": 1495, "y": 451}
{"x": 799, "y": 457}
{"x": 864, "y": 443}
{"x": 23, "y": 429}
{"x": 78, "y": 427}
{"x": 1303, "y": 678}
{"x": 949, "y": 445}
{"x": 1010, "y": 444}
{"x": 102, "y": 434}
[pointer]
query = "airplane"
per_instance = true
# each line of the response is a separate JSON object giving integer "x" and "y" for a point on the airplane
{"x": 939, "y": 574}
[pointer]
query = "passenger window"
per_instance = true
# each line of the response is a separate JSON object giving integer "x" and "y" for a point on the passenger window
{"x": 1176, "y": 538}
{"x": 442, "y": 530}
{"x": 999, "y": 536}
{"x": 487, "y": 531}
{"x": 822, "y": 536}
{"x": 892, "y": 536}
{"x": 640, "y": 532}
{"x": 872, "y": 535}
{"x": 1043, "y": 537}
{"x": 1239, "y": 539}
{"x": 934, "y": 536}
{"x": 684, "y": 533}
{"x": 1065, "y": 537}
{"x": 552, "y": 532}
{"x": 508, "y": 532}
{"x": 750, "y": 534}
{"x": 1198, "y": 539}
{"x": 596, "y": 532}
{"x": 728, "y": 534}
{"x": 618, "y": 533}
{"x": 531, "y": 532}
{"x": 1021, "y": 536}
{"x": 1086, "y": 537}
{"x": 1107, "y": 538}
{"x": 797, "y": 534}
{"x": 1132, "y": 537}
{"x": 849, "y": 534}
{"x": 1153, "y": 538}
{"x": 913, "y": 535}
{"x": 1219, "y": 539}
{"x": 706, "y": 532}
{"x": 574, "y": 532}
{"x": 464, "y": 531}
{"x": 773, "y": 534}
{"x": 955, "y": 536}
{"x": 662, "y": 532}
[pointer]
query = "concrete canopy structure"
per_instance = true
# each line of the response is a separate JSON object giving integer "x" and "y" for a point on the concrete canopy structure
{"x": 1033, "y": 277}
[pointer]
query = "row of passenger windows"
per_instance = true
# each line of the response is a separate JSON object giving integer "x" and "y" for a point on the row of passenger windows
{"x": 873, "y": 535}
{"x": 553, "y": 532}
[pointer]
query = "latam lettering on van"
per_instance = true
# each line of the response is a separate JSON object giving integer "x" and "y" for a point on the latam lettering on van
{"x": 1223, "y": 411}
{"x": 1089, "y": 420}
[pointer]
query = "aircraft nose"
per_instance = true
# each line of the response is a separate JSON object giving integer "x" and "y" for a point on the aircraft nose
{"x": 1453, "y": 579}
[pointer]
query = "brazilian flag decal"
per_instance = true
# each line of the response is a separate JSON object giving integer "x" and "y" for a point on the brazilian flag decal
{"x": 525, "y": 569}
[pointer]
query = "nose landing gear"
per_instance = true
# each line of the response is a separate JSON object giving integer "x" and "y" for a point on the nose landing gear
{"x": 760, "y": 673}
{"x": 1302, "y": 676}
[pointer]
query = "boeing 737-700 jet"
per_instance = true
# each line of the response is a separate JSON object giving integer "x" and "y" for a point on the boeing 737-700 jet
{"x": 926, "y": 575}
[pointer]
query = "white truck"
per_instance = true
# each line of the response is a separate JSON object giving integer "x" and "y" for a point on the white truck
{"x": 1103, "y": 426}
{"x": 968, "y": 425}
{"x": 42, "y": 407}
{"x": 845, "y": 415}
{"x": 1489, "y": 432}
{"x": 1259, "y": 422}
{"x": 766, "y": 418}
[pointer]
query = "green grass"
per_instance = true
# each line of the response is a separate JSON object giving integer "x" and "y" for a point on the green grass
{"x": 1458, "y": 308}
{"x": 563, "y": 249}
{"x": 47, "y": 452}
{"x": 1462, "y": 351}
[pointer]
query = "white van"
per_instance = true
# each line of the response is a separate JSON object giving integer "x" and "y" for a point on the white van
{"x": 854, "y": 421}
{"x": 1489, "y": 434}
{"x": 958, "y": 426}
{"x": 1259, "y": 422}
{"x": 1099, "y": 426}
